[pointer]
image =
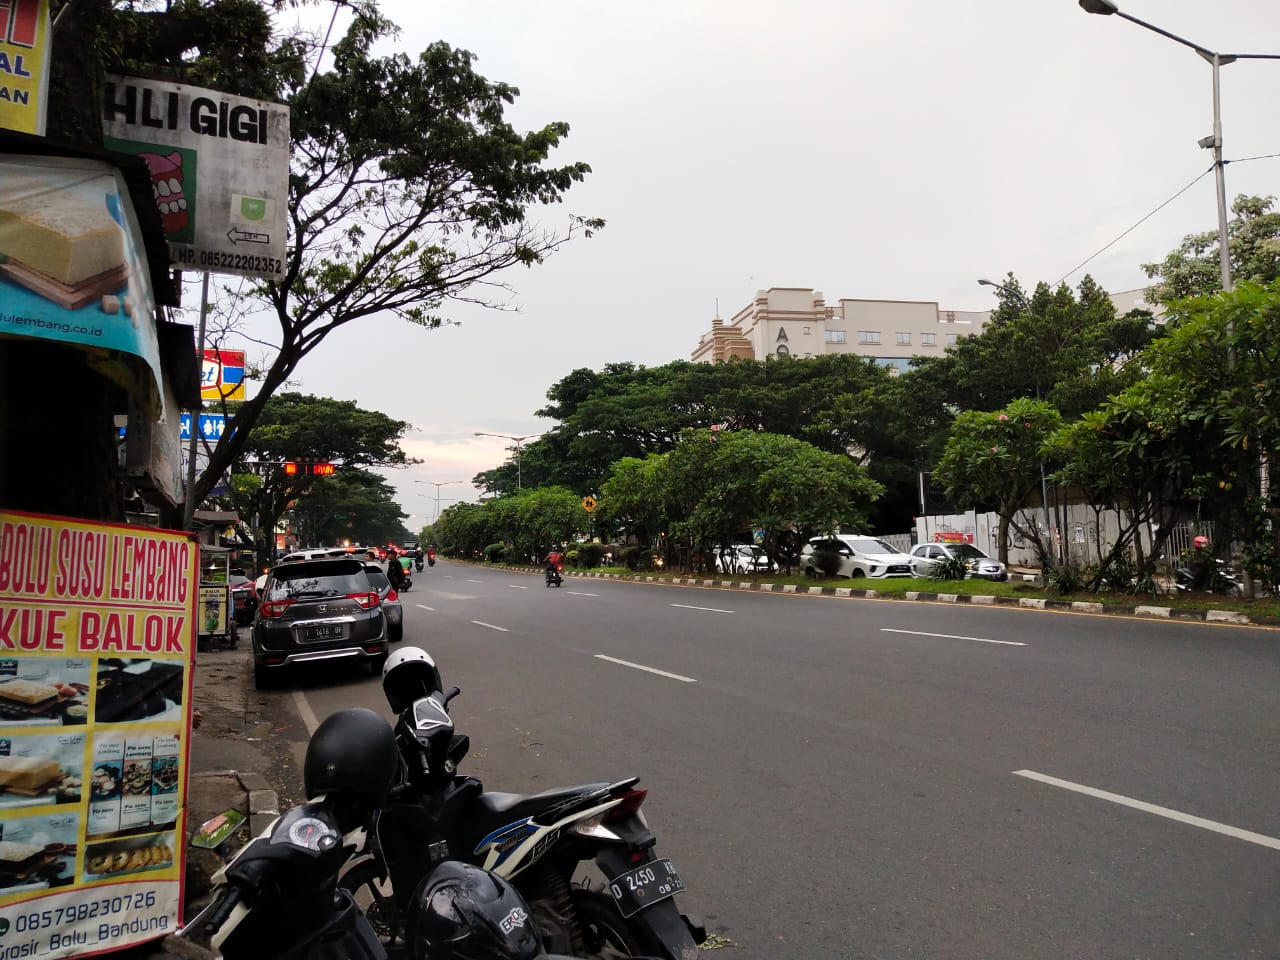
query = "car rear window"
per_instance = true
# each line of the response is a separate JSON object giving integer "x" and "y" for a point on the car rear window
{"x": 378, "y": 579}
{"x": 320, "y": 579}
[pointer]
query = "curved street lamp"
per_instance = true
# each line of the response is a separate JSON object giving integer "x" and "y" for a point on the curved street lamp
{"x": 517, "y": 441}
{"x": 1106, "y": 8}
{"x": 442, "y": 483}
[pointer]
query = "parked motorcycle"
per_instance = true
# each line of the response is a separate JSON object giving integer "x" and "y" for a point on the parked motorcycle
{"x": 1217, "y": 578}
{"x": 545, "y": 843}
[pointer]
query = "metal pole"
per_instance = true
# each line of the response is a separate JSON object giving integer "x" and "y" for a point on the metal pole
{"x": 1221, "y": 178}
{"x": 519, "y": 477}
{"x": 189, "y": 506}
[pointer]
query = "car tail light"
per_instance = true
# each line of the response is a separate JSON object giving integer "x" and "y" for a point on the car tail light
{"x": 392, "y": 596}
{"x": 367, "y": 601}
{"x": 631, "y": 801}
{"x": 274, "y": 609}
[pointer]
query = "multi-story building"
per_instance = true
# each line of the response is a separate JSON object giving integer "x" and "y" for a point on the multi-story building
{"x": 797, "y": 321}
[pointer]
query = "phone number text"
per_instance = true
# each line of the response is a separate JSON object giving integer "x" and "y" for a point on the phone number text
{"x": 78, "y": 912}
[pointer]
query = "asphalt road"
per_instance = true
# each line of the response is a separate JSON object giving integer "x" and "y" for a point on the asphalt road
{"x": 885, "y": 779}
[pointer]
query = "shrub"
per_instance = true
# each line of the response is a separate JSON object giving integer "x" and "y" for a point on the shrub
{"x": 948, "y": 568}
{"x": 634, "y": 555}
{"x": 495, "y": 552}
{"x": 828, "y": 561}
{"x": 1064, "y": 578}
{"x": 591, "y": 555}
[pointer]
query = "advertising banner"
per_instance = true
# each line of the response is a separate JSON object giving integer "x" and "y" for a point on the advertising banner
{"x": 220, "y": 168}
{"x": 24, "y": 65}
{"x": 222, "y": 375}
{"x": 97, "y": 648}
{"x": 69, "y": 268}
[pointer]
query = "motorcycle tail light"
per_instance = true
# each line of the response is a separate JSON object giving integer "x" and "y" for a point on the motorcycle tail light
{"x": 631, "y": 801}
{"x": 274, "y": 609}
{"x": 367, "y": 601}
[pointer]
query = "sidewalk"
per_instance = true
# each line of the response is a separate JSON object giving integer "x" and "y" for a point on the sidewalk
{"x": 224, "y": 765}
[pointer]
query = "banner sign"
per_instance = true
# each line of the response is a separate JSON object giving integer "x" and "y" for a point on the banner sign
{"x": 97, "y": 648}
{"x": 220, "y": 168}
{"x": 24, "y": 65}
{"x": 69, "y": 268}
{"x": 222, "y": 375}
{"x": 211, "y": 426}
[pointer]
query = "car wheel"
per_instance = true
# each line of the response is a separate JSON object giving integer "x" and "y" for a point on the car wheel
{"x": 856, "y": 574}
{"x": 263, "y": 677}
{"x": 395, "y": 631}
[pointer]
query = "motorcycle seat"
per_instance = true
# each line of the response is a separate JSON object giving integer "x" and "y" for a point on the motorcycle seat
{"x": 532, "y": 803}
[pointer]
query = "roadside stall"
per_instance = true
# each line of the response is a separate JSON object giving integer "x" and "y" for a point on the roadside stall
{"x": 215, "y": 625}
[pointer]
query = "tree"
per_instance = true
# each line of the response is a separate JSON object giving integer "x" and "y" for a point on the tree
{"x": 293, "y": 426}
{"x": 353, "y": 505}
{"x": 1195, "y": 268}
{"x": 408, "y": 188}
{"x": 994, "y": 458}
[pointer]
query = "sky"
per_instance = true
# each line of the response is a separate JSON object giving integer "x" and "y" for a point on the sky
{"x": 881, "y": 149}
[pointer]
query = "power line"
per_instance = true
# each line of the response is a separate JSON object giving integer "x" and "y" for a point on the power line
{"x": 1136, "y": 225}
{"x": 1265, "y": 156}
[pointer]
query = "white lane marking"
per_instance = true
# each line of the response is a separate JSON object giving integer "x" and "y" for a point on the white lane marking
{"x": 423, "y": 606}
{"x": 516, "y": 586}
{"x": 952, "y": 636}
{"x": 640, "y": 666}
{"x": 1258, "y": 838}
{"x": 304, "y": 710}
{"x": 686, "y": 606}
{"x": 475, "y": 581}
{"x": 481, "y": 623}
{"x": 579, "y": 593}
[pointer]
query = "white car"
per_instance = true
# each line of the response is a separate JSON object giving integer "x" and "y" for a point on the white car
{"x": 925, "y": 556}
{"x": 741, "y": 558}
{"x": 860, "y": 556}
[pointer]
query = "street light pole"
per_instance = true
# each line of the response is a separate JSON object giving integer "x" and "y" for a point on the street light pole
{"x": 1216, "y": 60}
{"x": 1044, "y": 486}
{"x": 443, "y": 483}
{"x": 517, "y": 441}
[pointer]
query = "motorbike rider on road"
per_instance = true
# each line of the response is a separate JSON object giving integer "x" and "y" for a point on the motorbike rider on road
{"x": 395, "y": 572}
{"x": 554, "y": 562}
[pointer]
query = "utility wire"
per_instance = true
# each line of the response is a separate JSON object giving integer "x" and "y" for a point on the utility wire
{"x": 1265, "y": 156}
{"x": 1136, "y": 225}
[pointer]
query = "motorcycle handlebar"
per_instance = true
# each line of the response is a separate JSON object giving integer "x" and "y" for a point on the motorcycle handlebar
{"x": 223, "y": 909}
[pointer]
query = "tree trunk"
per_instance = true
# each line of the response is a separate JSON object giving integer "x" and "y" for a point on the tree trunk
{"x": 1002, "y": 539}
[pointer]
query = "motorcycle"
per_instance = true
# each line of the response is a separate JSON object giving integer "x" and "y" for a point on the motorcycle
{"x": 553, "y": 576}
{"x": 1219, "y": 578}
{"x": 417, "y": 562}
{"x": 431, "y": 559}
{"x": 541, "y": 842}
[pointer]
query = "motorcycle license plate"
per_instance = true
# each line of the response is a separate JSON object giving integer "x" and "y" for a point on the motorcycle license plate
{"x": 329, "y": 631}
{"x": 644, "y": 886}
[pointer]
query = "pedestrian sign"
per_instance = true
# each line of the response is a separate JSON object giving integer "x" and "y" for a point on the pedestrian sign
{"x": 588, "y": 503}
{"x": 211, "y": 425}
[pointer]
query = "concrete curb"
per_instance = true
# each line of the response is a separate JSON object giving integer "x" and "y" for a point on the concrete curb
{"x": 1028, "y": 603}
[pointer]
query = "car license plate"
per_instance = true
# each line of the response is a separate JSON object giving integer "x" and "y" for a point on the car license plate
{"x": 644, "y": 886}
{"x": 327, "y": 631}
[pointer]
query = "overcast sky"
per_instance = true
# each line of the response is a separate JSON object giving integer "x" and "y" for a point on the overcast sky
{"x": 895, "y": 149}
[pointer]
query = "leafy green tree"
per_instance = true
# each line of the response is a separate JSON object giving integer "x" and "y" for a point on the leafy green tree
{"x": 1194, "y": 268}
{"x": 293, "y": 426}
{"x": 993, "y": 459}
{"x": 353, "y": 505}
{"x": 631, "y": 498}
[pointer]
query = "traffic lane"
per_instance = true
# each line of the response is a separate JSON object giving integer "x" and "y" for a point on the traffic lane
{"x": 825, "y": 833}
{"x": 1125, "y": 703}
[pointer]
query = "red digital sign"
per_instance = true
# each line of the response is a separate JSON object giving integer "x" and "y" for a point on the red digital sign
{"x": 295, "y": 468}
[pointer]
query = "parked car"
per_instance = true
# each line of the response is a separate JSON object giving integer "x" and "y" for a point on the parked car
{"x": 860, "y": 556}
{"x": 244, "y": 598}
{"x": 392, "y": 608}
{"x": 741, "y": 558}
{"x": 314, "y": 610}
{"x": 926, "y": 556}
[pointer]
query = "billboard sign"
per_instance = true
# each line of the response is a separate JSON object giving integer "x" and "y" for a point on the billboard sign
{"x": 219, "y": 167}
{"x": 222, "y": 375}
{"x": 97, "y": 647}
{"x": 70, "y": 270}
{"x": 24, "y": 65}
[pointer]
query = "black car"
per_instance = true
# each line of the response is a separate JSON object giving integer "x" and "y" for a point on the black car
{"x": 312, "y": 610}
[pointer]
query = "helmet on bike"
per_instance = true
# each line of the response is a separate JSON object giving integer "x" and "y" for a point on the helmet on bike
{"x": 351, "y": 757}
{"x": 409, "y": 675}
{"x": 1200, "y": 543}
{"x": 461, "y": 911}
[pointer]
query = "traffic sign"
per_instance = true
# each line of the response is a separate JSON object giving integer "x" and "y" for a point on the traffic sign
{"x": 588, "y": 503}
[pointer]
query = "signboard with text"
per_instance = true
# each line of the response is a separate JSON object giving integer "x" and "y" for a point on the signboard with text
{"x": 222, "y": 375}
{"x": 97, "y": 646}
{"x": 219, "y": 166}
{"x": 24, "y": 65}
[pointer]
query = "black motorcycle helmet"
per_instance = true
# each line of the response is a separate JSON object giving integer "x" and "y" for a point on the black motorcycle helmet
{"x": 461, "y": 912}
{"x": 351, "y": 758}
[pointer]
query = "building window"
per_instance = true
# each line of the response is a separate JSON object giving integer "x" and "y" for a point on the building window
{"x": 928, "y": 339}
{"x": 833, "y": 336}
{"x": 904, "y": 339}
{"x": 953, "y": 339}
{"x": 868, "y": 336}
